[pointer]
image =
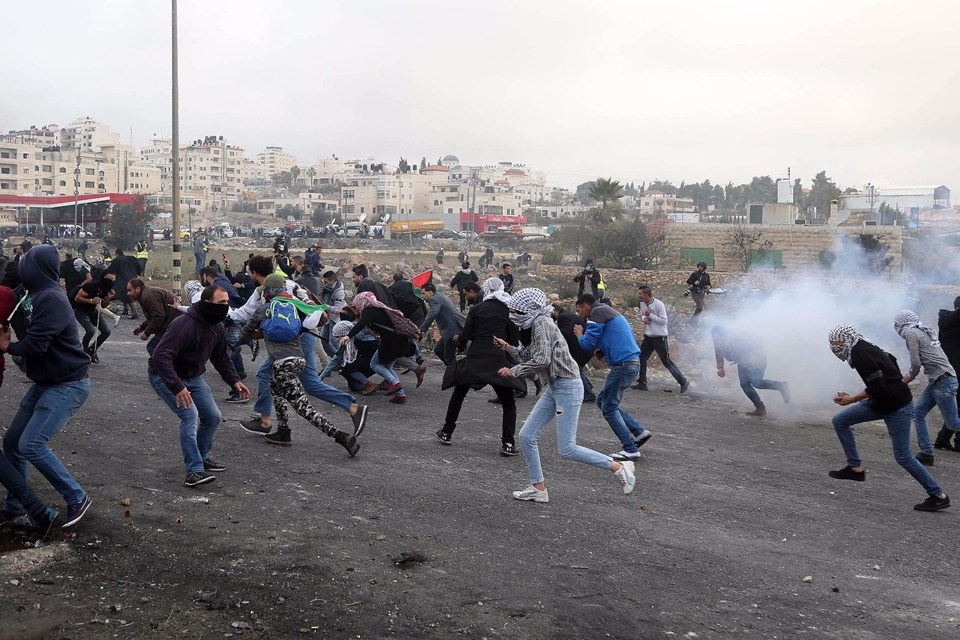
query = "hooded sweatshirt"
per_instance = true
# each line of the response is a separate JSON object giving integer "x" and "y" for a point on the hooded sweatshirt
{"x": 184, "y": 349}
{"x": 610, "y": 332}
{"x": 50, "y": 347}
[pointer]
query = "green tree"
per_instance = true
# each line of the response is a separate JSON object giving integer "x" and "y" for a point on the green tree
{"x": 745, "y": 239}
{"x": 320, "y": 218}
{"x": 822, "y": 191}
{"x": 626, "y": 245}
{"x": 403, "y": 166}
{"x": 128, "y": 223}
{"x": 663, "y": 185}
{"x": 607, "y": 192}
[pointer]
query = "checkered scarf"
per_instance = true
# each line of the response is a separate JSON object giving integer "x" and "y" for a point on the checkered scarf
{"x": 849, "y": 336}
{"x": 907, "y": 319}
{"x": 493, "y": 288}
{"x": 341, "y": 329}
{"x": 527, "y": 305}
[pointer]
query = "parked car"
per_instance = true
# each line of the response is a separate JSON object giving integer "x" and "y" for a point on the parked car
{"x": 447, "y": 234}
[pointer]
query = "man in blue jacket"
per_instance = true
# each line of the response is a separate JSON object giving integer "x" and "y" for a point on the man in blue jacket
{"x": 610, "y": 332}
{"x": 57, "y": 365}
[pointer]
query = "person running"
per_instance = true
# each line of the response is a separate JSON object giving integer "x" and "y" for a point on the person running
{"x": 654, "y": 314}
{"x": 13, "y": 481}
{"x": 886, "y": 397}
{"x": 397, "y": 334}
{"x": 87, "y": 300}
{"x": 283, "y": 346}
{"x": 751, "y": 362}
{"x": 460, "y": 280}
{"x": 546, "y": 357}
{"x": 941, "y": 390}
{"x": 449, "y": 322}
{"x": 127, "y": 268}
{"x": 260, "y": 423}
{"x": 159, "y": 311}
{"x": 566, "y": 321}
{"x": 487, "y": 322}
{"x": 610, "y": 332}
{"x": 507, "y": 277}
{"x": 176, "y": 370}
{"x": 57, "y": 365}
{"x": 699, "y": 282}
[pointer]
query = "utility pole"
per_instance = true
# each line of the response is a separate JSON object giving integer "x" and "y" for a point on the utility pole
{"x": 176, "y": 152}
{"x": 76, "y": 192}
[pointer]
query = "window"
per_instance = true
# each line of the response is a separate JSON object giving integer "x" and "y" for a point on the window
{"x": 4, "y": 185}
{"x": 48, "y": 182}
{"x": 89, "y": 184}
{"x": 48, "y": 168}
{"x": 5, "y": 170}
{"x": 63, "y": 169}
{"x": 63, "y": 183}
{"x": 90, "y": 172}
{"x": 4, "y": 154}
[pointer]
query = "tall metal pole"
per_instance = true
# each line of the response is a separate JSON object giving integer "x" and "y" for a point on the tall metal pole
{"x": 175, "y": 168}
{"x": 76, "y": 192}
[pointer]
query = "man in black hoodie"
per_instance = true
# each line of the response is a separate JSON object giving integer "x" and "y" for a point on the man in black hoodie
{"x": 176, "y": 373}
{"x": 949, "y": 325}
{"x": 57, "y": 365}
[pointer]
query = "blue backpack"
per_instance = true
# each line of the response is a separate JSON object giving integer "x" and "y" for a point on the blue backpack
{"x": 281, "y": 323}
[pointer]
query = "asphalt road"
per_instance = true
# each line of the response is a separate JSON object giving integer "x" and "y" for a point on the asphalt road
{"x": 730, "y": 516}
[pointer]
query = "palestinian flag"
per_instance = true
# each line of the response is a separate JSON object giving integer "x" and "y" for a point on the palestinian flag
{"x": 419, "y": 280}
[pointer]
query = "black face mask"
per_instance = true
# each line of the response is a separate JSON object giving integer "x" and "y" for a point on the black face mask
{"x": 212, "y": 312}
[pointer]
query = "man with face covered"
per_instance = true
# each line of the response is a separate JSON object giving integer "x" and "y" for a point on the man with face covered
{"x": 886, "y": 397}
{"x": 176, "y": 373}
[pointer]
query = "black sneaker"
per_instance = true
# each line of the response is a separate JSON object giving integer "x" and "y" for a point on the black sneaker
{"x": 45, "y": 523}
{"x": 925, "y": 459}
{"x": 639, "y": 386}
{"x": 75, "y": 512}
{"x": 933, "y": 503}
{"x": 849, "y": 474}
{"x": 234, "y": 398}
{"x": 509, "y": 449}
{"x": 253, "y": 425}
{"x": 198, "y": 478}
{"x": 212, "y": 465}
{"x": 359, "y": 420}
{"x": 348, "y": 442}
{"x": 444, "y": 438}
{"x": 684, "y": 386}
{"x": 281, "y": 438}
{"x": 12, "y": 519}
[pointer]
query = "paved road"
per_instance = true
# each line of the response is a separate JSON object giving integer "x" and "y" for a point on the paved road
{"x": 731, "y": 514}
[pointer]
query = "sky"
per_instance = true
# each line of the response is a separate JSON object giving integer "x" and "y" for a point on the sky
{"x": 636, "y": 90}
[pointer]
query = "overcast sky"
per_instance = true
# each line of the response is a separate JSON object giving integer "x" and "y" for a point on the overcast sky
{"x": 636, "y": 90}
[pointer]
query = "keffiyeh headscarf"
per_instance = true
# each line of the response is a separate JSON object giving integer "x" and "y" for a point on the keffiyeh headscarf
{"x": 907, "y": 319}
{"x": 527, "y": 305}
{"x": 192, "y": 290}
{"x": 341, "y": 329}
{"x": 846, "y": 334}
{"x": 493, "y": 288}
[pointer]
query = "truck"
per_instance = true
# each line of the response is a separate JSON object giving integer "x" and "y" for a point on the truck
{"x": 415, "y": 226}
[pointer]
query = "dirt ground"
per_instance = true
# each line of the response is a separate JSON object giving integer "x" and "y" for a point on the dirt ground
{"x": 734, "y": 531}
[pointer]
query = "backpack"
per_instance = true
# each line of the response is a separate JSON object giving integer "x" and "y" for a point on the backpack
{"x": 281, "y": 322}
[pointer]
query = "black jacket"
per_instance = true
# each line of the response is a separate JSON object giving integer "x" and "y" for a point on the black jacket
{"x": 949, "y": 325}
{"x": 407, "y": 301}
{"x": 881, "y": 375}
{"x": 484, "y": 321}
{"x": 379, "y": 291}
{"x": 566, "y": 321}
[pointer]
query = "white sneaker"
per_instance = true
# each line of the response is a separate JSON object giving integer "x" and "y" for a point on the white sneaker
{"x": 116, "y": 321}
{"x": 621, "y": 455}
{"x": 533, "y": 494}
{"x": 626, "y": 476}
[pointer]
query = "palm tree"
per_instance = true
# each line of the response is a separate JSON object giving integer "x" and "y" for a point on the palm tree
{"x": 607, "y": 192}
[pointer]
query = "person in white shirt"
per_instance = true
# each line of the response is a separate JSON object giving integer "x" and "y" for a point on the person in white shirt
{"x": 654, "y": 314}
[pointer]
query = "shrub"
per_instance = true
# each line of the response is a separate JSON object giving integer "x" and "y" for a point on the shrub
{"x": 552, "y": 255}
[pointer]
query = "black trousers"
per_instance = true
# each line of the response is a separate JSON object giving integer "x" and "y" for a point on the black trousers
{"x": 658, "y": 345}
{"x": 446, "y": 350}
{"x": 89, "y": 322}
{"x": 507, "y": 403}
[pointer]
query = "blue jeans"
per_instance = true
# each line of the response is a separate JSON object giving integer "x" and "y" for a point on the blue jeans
{"x": 152, "y": 344}
{"x": 310, "y": 380}
{"x": 198, "y": 422}
{"x": 588, "y": 392}
{"x": 233, "y": 346}
{"x": 898, "y": 426}
{"x": 751, "y": 378}
{"x": 943, "y": 394}
{"x": 562, "y": 400}
{"x": 17, "y": 485}
{"x": 608, "y": 401}
{"x": 199, "y": 258}
{"x": 43, "y": 412}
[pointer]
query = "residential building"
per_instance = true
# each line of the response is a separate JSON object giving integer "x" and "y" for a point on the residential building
{"x": 654, "y": 202}
{"x": 27, "y": 169}
{"x": 211, "y": 176}
{"x": 47, "y": 136}
{"x": 275, "y": 160}
{"x": 87, "y": 134}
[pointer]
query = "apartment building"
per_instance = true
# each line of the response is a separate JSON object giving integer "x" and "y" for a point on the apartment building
{"x": 142, "y": 177}
{"x": 211, "y": 177}
{"x": 27, "y": 169}
{"x": 87, "y": 134}
{"x": 159, "y": 154}
{"x": 275, "y": 160}
{"x": 657, "y": 202}
{"x": 46, "y": 136}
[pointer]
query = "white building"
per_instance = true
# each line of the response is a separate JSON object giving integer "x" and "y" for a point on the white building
{"x": 88, "y": 134}
{"x": 904, "y": 198}
{"x": 275, "y": 160}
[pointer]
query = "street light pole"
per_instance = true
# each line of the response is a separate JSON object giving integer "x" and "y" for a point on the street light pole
{"x": 175, "y": 168}
{"x": 76, "y": 192}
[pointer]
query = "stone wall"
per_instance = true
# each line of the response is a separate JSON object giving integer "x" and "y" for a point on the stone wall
{"x": 800, "y": 245}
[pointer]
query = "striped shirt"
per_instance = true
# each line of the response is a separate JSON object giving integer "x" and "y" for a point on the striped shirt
{"x": 548, "y": 357}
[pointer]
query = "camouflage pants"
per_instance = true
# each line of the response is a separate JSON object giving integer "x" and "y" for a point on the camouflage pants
{"x": 285, "y": 385}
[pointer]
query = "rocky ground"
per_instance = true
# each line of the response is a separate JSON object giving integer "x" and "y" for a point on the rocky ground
{"x": 735, "y": 530}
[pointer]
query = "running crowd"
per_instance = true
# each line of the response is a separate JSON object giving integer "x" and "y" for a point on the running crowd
{"x": 310, "y": 329}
